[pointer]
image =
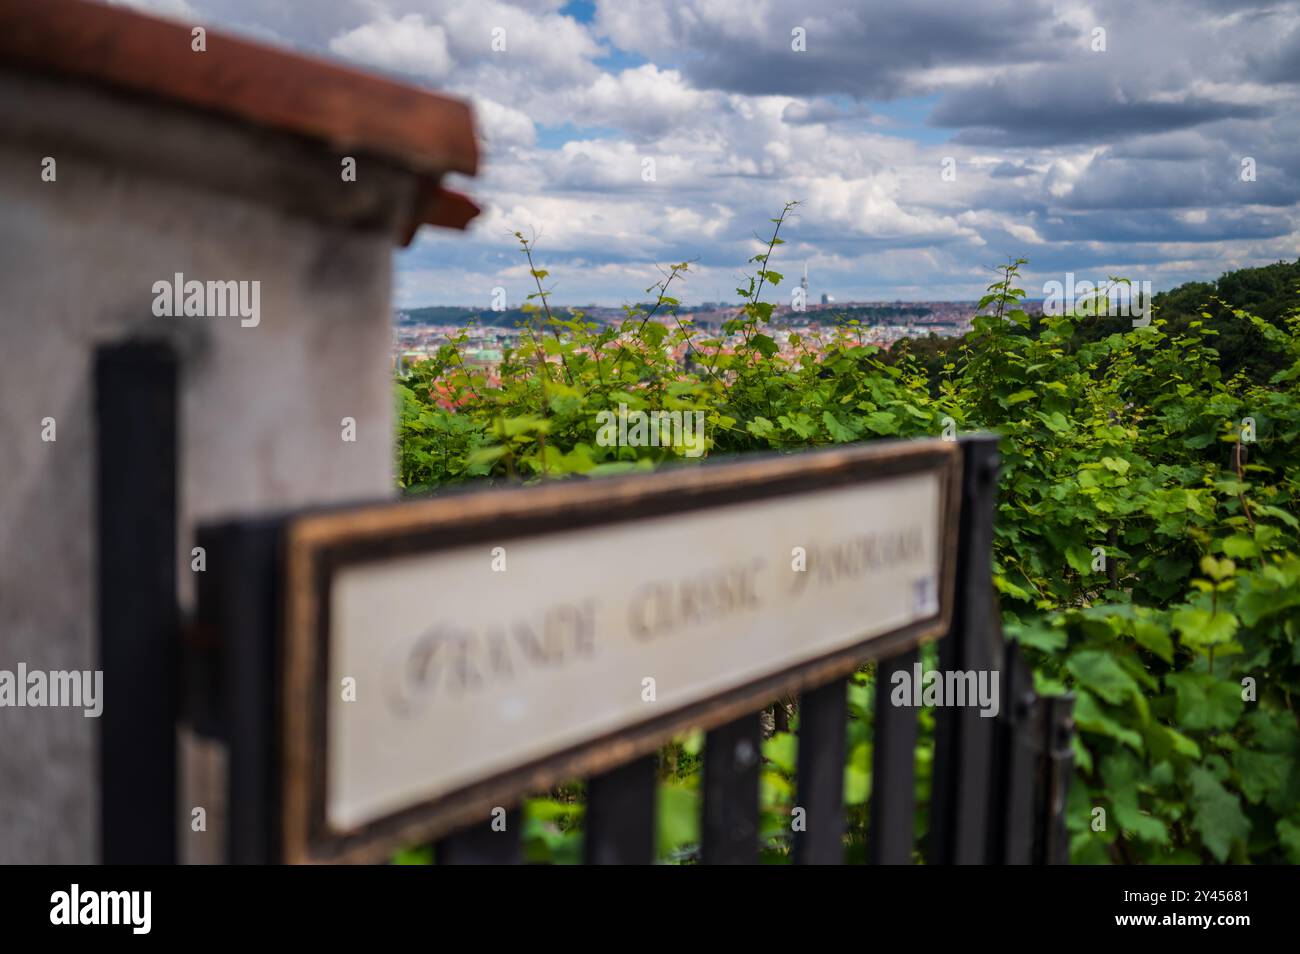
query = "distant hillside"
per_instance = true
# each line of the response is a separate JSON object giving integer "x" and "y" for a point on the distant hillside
{"x": 873, "y": 314}
{"x": 436, "y": 315}
{"x": 1269, "y": 291}
{"x": 460, "y": 315}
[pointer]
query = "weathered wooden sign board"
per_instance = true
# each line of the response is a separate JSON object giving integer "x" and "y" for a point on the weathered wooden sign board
{"x": 442, "y": 657}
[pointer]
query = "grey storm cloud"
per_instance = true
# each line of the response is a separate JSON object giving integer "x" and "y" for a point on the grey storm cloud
{"x": 1010, "y": 170}
{"x": 1282, "y": 64}
{"x": 1180, "y": 145}
{"x": 1049, "y": 109}
{"x": 1209, "y": 181}
{"x": 869, "y": 50}
{"x": 822, "y": 111}
{"x": 1152, "y": 226}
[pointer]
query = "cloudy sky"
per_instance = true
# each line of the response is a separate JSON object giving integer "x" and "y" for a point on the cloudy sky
{"x": 926, "y": 140}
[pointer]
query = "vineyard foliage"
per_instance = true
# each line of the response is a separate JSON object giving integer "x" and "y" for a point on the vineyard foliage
{"x": 1146, "y": 551}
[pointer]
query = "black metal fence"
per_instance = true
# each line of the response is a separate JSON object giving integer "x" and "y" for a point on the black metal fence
{"x": 998, "y": 784}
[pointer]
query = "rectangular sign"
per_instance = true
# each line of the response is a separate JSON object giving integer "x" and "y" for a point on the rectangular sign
{"x": 448, "y": 655}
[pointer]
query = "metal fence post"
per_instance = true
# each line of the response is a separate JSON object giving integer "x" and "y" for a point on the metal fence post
{"x": 137, "y": 439}
{"x": 1012, "y": 810}
{"x": 963, "y": 739}
{"x": 1057, "y": 769}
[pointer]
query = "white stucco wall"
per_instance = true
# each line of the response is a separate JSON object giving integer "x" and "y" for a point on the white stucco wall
{"x": 143, "y": 193}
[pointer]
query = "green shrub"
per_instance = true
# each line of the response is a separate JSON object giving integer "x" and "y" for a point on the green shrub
{"x": 1182, "y": 648}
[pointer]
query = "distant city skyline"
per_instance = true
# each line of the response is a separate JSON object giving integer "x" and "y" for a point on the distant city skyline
{"x": 814, "y": 303}
{"x": 483, "y": 342}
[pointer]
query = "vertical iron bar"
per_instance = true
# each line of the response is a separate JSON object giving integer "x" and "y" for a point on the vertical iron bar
{"x": 239, "y": 597}
{"x": 732, "y": 760}
{"x": 1011, "y": 814}
{"x": 964, "y": 739}
{"x": 1060, "y": 754}
{"x": 893, "y": 769}
{"x": 137, "y": 440}
{"x": 621, "y": 813}
{"x": 481, "y": 844}
{"x": 823, "y": 716}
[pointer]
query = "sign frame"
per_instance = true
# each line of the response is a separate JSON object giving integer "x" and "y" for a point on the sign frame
{"x": 315, "y": 545}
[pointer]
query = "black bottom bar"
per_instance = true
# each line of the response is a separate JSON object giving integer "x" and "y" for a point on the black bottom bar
{"x": 224, "y": 902}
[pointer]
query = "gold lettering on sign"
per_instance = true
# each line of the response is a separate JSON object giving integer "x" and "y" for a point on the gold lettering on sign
{"x": 663, "y": 608}
{"x": 455, "y": 660}
{"x": 858, "y": 556}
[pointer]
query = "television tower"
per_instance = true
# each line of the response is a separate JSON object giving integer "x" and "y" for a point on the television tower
{"x": 804, "y": 284}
